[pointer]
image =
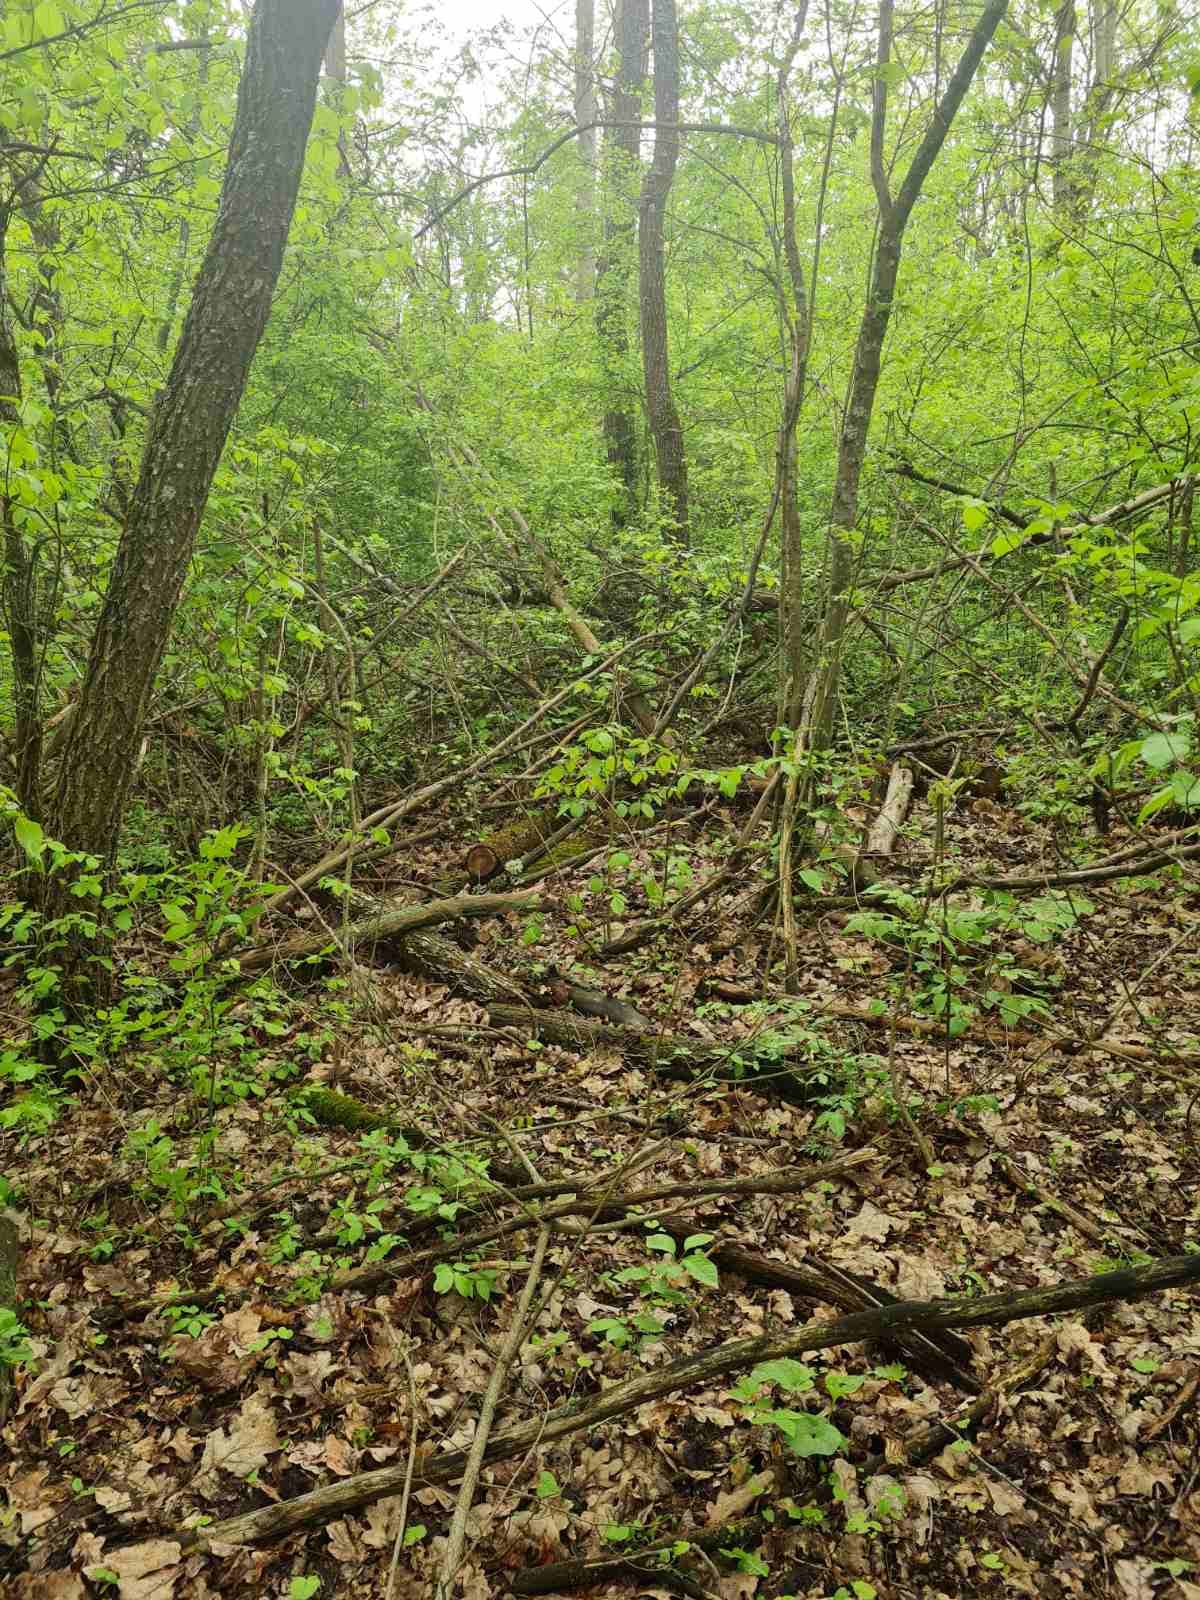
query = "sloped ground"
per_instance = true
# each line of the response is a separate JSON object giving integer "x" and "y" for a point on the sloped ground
{"x": 1049, "y": 1164}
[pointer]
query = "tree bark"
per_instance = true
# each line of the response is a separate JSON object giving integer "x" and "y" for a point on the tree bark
{"x": 18, "y": 587}
{"x": 192, "y": 416}
{"x": 1061, "y": 132}
{"x": 864, "y": 382}
{"x": 665, "y": 426}
{"x": 613, "y": 269}
{"x": 585, "y": 121}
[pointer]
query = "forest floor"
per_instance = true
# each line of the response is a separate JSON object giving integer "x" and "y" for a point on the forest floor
{"x": 1051, "y": 1161}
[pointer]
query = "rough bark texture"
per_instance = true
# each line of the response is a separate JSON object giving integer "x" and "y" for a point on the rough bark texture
{"x": 1061, "y": 134}
{"x": 664, "y": 421}
{"x": 613, "y": 270}
{"x": 193, "y": 414}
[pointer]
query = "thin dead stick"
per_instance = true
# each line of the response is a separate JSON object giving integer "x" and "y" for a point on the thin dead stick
{"x": 457, "y": 1538}
{"x": 409, "y": 1467}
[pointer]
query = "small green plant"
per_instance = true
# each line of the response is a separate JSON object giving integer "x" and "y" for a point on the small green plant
{"x": 805, "y": 1433}
{"x": 188, "y": 1321}
{"x": 14, "y": 1339}
{"x": 464, "y": 1278}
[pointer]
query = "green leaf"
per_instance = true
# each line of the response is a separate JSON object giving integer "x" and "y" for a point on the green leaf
{"x": 804, "y": 1433}
{"x": 791, "y": 1375}
{"x": 975, "y": 514}
{"x": 1011, "y": 539}
{"x": 30, "y": 836}
{"x": 547, "y": 1486}
{"x": 702, "y": 1269}
{"x": 839, "y": 1384}
{"x": 1161, "y": 749}
{"x": 303, "y": 1588}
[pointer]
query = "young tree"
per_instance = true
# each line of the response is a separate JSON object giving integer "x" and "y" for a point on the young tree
{"x": 622, "y": 144}
{"x": 192, "y": 416}
{"x": 665, "y": 425}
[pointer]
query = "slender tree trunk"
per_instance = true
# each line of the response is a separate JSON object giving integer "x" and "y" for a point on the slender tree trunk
{"x": 1062, "y": 137}
{"x": 585, "y": 114}
{"x": 864, "y": 381}
{"x": 664, "y": 421}
{"x": 18, "y": 590}
{"x": 192, "y": 416}
{"x": 614, "y": 268}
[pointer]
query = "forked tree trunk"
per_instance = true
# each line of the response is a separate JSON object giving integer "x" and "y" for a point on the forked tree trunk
{"x": 614, "y": 268}
{"x": 664, "y": 421}
{"x": 868, "y": 354}
{"x": 192, "y": 416}
{"x": 814, "y": 730}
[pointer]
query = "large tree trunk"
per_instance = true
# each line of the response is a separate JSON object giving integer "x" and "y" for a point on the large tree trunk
{"x": 613, "y": 270}
{"x": 656, "y": 186}
{"x": 192, "y": 416}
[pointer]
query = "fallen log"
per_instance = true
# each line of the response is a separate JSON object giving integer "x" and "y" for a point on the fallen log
{"x": 390, "y": 921}
{"x": 670, "y": 1055}
{"x": 881, "y": 840}
{"x": 319, "y": 1506}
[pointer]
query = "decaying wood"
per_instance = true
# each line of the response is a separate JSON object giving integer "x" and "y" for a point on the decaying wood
{"x": 881, "y": 840}
{"x": 442, "y": 960}
{"x": 391, "y": 921}
{"x": 940, "y": 1355}
{"x": 668, "y": 1055}
{"x": 323, "y": 1505}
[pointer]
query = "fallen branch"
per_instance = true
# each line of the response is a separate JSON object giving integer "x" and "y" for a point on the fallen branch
{"x": 885, "y": 830}
{"x": 926, "y": 1027}
{"x": 270, "y": 1522}
{"x": 386, "y": 816}
{"x": 390, "y": 921}
{"x": 676, "y": 1056}
{"x": 789, "y": 1180}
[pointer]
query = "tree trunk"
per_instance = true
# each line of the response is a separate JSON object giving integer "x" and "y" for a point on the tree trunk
{"x": 613, "y": 270}
{"x": 852, "y": 444}
{"x": 1062, "y": 137}
{"x": 656, "y": 186}
{"x": 585, "y": 118}
{"x": 192, "y": 416}
{"x": 18, "y": 590}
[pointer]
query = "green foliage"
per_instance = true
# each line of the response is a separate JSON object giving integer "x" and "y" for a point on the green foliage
{"x": 15, "y": 1349}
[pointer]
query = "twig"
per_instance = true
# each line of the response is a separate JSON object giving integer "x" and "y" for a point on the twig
{"x": 408, "y": 1471}
{"x": 456, "y": 1540}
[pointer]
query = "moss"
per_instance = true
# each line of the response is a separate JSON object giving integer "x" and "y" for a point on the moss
{"x": 334, "y": 1110}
